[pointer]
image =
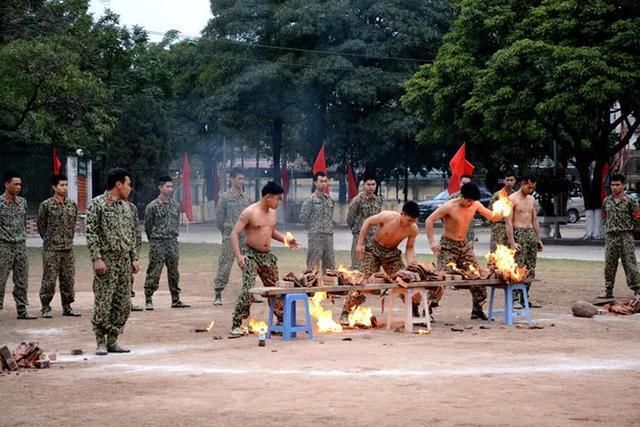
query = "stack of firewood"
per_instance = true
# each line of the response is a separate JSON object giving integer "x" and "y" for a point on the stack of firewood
{"x": 25, "y": 356}
{"x": 348, "y": 277}
{"x": 307, "y": 279}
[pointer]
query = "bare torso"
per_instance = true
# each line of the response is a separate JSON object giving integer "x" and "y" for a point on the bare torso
{"x": 458, "y": 218}
{"x": 391, "y": 231}
{"x": 260, "y": 226}
{"x": 523, "y": 210}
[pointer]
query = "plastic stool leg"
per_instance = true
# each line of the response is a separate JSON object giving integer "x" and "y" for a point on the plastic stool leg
{"x": 424, "y": 297}
{"x": 408, "y": 310}
{"x": 508, "y": 305}
{"x": 389, "y": 309}
{"x": 308, "y": 319}
{"x": 293, "y": 316}
{"x": 270, "y": 324}
{"x": 286, "y": 319}
{"x": 491, "y": 296}
{"x": 527, "y": 310}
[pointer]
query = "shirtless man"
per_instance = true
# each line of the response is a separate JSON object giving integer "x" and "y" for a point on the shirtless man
{"x": 382, "y": 250}
{"x": 258, "y": 222}
{"x": 523, "y": 230}
{"x": 457, "y": 215}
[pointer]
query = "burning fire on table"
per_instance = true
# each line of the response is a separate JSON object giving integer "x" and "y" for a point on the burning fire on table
{"x": 504, "y": 263}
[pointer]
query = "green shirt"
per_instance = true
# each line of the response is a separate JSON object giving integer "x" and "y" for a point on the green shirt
{"x": 136, "y": 228}
{"x": 620, "y": 214}
{"x": 317, "y": 213}
{"x": 57, "y": 223}
{"x": 162, "y": 219}
{"x": 110, "y": 227}
{"x": 229, "y": 208}
{"x": 360, "y": 209}
{"x": 13, "y": 219}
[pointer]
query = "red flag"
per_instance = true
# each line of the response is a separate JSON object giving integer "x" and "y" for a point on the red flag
{"x": 320, "y": 165}
{"x": 284, "y": 177}
{"x": 352, "y": 184}
{"x": 459, "y": 167}
{"x": 57, "y": 164}
{"x": 187, "y": 201}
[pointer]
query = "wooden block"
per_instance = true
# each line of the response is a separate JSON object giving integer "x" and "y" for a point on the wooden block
{"x": 8, "y": 358}
{"x": 453, "y": 277}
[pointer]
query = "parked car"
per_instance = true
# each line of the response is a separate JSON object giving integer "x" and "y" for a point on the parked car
{"x": 575, "y": 209}
{"x": 428, "y": 206}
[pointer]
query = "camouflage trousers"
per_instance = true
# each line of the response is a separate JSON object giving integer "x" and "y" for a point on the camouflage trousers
{"x": 265, "y": 265}
{"x": 498, "y": 235}
{"x": 13, "y": 258}
{"x": 225, "y": 262}
{"x": 461, "y": 254}
{"x": 57, "y": 265}
{"x": 355, "y": 262}
{"x": 375, "y": 256}
{"x": 112, "y": 297}
{"x": 528, "y": 254}
{"x": 321, "y": 252}
{"x": 620, "y": 246}
{"x": 162, "y": 252}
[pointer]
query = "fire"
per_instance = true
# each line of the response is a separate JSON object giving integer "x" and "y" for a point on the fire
{"x": 257, "y": 327}
{"x": 504, "y": 260}
{"x": 288, "y": 237}
{"x": 503, "y": 205}
{"x": 454, "y": 267}
{"x": 473, "y": 270}
{"x": 324, "y": 319}
{"x": 360, "y": 316}
{"x": 354, "y": 277}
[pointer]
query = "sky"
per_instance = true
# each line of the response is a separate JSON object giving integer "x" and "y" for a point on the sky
{"x": 187, "y": 16}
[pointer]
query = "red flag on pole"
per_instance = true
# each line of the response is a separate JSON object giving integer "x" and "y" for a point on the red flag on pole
{"x": 57, "y": 164}
{"x": 459, "y": 167}
{"x": 284, "y": 177}
{"x": 187, "y": 201}
{"x": 320, "y": 165}
{"x": 352, "y": 184}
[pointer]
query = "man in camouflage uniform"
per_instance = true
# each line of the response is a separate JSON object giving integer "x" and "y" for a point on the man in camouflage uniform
{"x": 471, "y": 234}
{"x": 621, "y": 212}
{"x": 231, "y": 204}
{"x": 111, "y": 243}
{"x": 523, "y": 232}
{"x": 498, "y": 228}
{"x": 13, "y": 247}
{"x": 317, "y": 213}
{"x": 57, "y": 225}
{"x": 138, "y": 237}
{"x": 161, "y": 222}
{"x": 363, "y": 206}
{"x": 258, "y": 222}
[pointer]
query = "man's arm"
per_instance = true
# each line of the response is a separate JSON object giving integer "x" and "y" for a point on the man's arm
{"x": 221, "y": 210}
{"x": 149, "y": 213}
{"x": 536, "y": 225}
{"x": 241, "y": 224}
{"x": 352, "y": 212}
{"x": 489, "y": 215}
{"x": 508, "y": 222}
{"x": 305, "y": 211}
{"x": 437, "y": 215}
{"x": 42, "y": 219}
{"x": 411, "y": 250}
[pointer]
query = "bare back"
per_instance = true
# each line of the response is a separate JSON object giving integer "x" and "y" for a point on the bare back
{"x": 391, "y": 231}
{"x": 259, "y": 226}
{"x": 524, "y": 210}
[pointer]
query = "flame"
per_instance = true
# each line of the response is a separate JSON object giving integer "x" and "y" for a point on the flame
{"x": 257, "y": 327}
{"x": 360, "y": 316}
{"x": 325, "y": 322}
{"x": 503, "y": 205}
{"x": 352, "y": 276}
{"x": 287, "y": 238}
{"x": 454, "y": 267}
{"x": 423, "y": 332}
{"x": 473, "y": 270}
{"x": 504, "y": 260}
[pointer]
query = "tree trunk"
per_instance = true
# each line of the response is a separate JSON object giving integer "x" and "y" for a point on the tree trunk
{"x": 342, "y": 187}
{"x": 276, "y": 145}
{"x": 406, "y": 184}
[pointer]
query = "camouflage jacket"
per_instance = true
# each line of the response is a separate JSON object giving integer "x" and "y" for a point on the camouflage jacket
{"x": 620, "y": 214}
{"x": 110, "y": 227}
{"x": 57, "y": 223}
{"x": 360, "y": 209}
{"x": 229, "y": 208}
{"x": 317, "y": 213}
{"x": 162, "y": 219}
{"x": 136, "y": 228}
{"x": 13, "y": 220}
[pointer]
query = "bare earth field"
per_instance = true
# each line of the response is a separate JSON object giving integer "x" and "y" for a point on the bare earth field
{"x": 572, "y": 372}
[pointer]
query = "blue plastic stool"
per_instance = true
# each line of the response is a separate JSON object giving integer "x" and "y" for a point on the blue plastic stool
{"x": 510, "y": 314}
{"x": 289, "y": 327}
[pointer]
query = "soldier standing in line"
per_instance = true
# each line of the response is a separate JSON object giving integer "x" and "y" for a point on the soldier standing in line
{"x": 498, "y": 228}
{"x": 13, "y": 247}
{"x": 621, "y": 212}
{"x": 317, "y": 213}
{"x": 111, "y": 244}
{"x": 57, "y": 225}
{"x": 231, "y": 205}
{"x": 161, "y": 223}
{"x": 363, "y": 206}
{"x": 138, "y": 237}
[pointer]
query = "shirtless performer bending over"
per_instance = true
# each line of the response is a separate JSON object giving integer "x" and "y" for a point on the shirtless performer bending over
{"x": 382, "y": 250}
{"x": 523, "y": 230}
{"x": 457, "y": 215}
{"x": 258, "y": 222}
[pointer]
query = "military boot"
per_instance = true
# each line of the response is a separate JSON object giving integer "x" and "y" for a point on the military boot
{"x": 218, "y": 299}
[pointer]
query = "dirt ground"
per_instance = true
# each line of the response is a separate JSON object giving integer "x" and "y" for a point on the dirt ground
{"x": 572, "y": 372}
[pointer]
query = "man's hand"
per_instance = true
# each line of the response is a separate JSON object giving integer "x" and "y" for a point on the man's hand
{"x": 242, "y": 262}
{"x": 359, "y": 251}
{"x": 540, "y": 246}
{"x": 435, "y": 248}
{"x": 294, "y": 244}
{"x": 99, "y": 267}
{"x": 516, "y": 246}
{"x": 135, "y": 266}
